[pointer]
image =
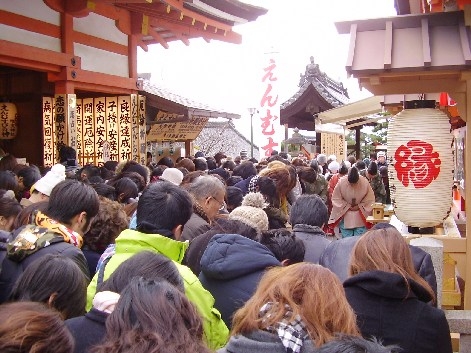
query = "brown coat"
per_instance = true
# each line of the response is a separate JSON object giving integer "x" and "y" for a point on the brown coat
{"x": 342, "y": 201}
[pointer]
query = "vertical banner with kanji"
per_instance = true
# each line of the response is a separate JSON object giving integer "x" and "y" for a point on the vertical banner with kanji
{"x": 112, "y": 126}
{"x": 88, "y": 126}
{"x": 124, "y": 120}
{"x": 101, "y": 118}
{"x": 60, "y": 121}
{"x": 79, "y": 130}
{"x": 142, "y": 129}
{"x": 72, "y": 120}
{"x": 269, "y": 106}
{"x": 49, "y": 153}
{"x": 135, "y": 127}
{"x": 64, "y": 121}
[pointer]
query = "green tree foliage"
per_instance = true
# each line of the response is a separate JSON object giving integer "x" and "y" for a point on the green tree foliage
{"x": 369, "y": 138}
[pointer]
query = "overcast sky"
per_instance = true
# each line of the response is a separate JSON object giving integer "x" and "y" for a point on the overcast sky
{"x": 225, "y": 75}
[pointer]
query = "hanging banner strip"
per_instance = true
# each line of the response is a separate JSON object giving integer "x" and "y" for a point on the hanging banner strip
{"x": 124, "y": 119}
{"x": 135, "y": 127}
{"x": 112, "y": 126}
{"x": 49, "y": 155}
{"x": 79, "y": 130}
{"x": 88, "y": 124}
{"x": 142, "y": 129}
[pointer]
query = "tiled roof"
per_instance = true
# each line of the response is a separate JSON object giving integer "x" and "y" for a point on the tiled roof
{"x": 331, "y": 95}
{"x": 219, "y": 124}
{"x": 194, "y": 108}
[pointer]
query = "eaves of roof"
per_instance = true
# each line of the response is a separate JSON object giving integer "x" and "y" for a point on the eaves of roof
{"x": 181, "y": 20}
{"x": 330, "y": 96}
{"x": 221, "y": 124}
{"x": 193, "y": 107}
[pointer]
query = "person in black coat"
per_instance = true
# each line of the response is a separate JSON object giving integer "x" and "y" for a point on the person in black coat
{"x": 247, "y": 171}
{"x": 390, "y": 298}
{"x": 90, "y": 329}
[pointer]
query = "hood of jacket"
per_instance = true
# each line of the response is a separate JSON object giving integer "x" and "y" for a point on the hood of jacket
{"x": 131, "y": 242}
{"x": 229, "y": 256}
{"x": 388, "y": 285}
{"x": 308, "y": 230}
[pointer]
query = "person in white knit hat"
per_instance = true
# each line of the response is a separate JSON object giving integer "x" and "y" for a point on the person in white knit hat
{"x": 173, "y": 175}
{"x": 43, "y": 187}
{"x": 251, "y": 212}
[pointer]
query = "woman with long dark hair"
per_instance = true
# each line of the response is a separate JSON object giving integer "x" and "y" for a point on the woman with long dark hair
{"x": 153, "y": 316}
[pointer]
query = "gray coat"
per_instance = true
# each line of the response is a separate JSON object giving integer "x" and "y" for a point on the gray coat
{"x": 314, "y": 240}
{"x": 260, "y": 342}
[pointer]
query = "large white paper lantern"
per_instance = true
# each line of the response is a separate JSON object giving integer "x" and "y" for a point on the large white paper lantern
{"x": 420, "y": 165}
{"x": 8, "y": 121}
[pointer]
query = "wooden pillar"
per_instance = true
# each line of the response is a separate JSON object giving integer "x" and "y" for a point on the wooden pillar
{"x": 188, "y": 150}
{"x": 285, "y": 147}
{"x": 318, "y": 143}
{"x": 467, "y": 184}
{"x": 357, "y": 142}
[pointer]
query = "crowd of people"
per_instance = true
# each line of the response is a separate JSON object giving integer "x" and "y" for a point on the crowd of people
{"x": 209, "y": 253}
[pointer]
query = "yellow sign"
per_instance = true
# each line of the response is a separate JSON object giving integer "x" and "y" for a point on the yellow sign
{"x": 178, "y": 131}
{"x": 333, "y": 144}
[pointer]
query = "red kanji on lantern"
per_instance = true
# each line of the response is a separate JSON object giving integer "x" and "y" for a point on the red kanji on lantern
{"x": 416, "y": 162}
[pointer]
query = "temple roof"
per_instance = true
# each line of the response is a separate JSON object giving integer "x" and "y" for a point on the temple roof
{"x": 317, "y": 93}
{"x": 212, "y": 124}
{"x": 175, "y": 103}
{"x": 163, "y": 21}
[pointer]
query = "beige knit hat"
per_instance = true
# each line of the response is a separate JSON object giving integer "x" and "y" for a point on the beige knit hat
{"x": 251, "y": 212}
{"x": 51, "y": 179}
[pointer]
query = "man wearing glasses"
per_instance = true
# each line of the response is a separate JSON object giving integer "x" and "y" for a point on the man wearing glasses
{"x": 208, "y": 194}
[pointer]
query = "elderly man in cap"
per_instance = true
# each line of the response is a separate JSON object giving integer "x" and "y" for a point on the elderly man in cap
{"x": 381, "y": 160}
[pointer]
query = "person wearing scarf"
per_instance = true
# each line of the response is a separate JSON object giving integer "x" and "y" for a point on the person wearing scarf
{"x": 295, "y": 309}
{"x": 58, "y": 230}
